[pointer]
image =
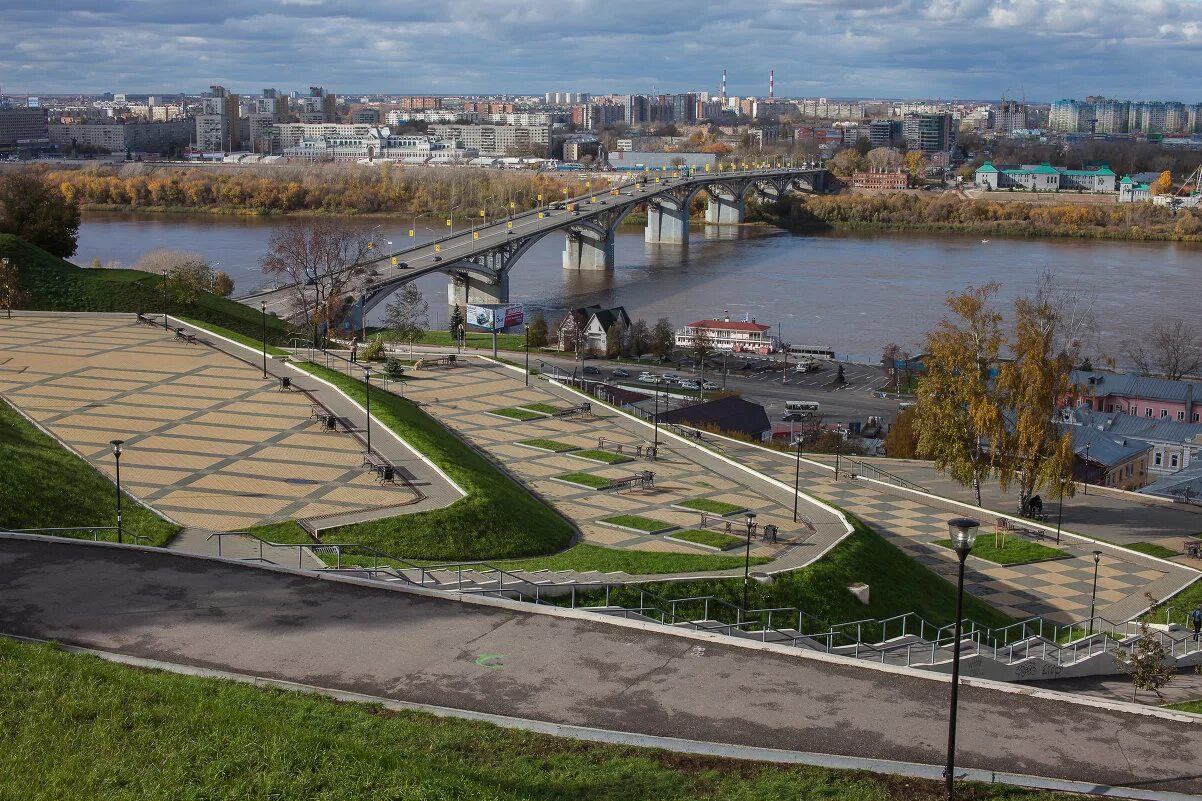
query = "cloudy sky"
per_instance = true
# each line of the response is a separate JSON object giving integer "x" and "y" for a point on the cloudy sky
{"x": 845, "y": 48}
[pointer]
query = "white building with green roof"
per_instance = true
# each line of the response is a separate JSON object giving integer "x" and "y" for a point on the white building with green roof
{"x": 1131, "y": 191}
{"x": 1046, "y": 178}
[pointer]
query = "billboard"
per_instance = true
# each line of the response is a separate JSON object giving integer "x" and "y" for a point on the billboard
{"x": 495, "y": 317}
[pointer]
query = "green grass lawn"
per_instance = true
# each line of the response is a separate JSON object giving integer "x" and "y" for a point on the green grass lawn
{"x": 498, "y": 518}
{"x": 545, "y": 408}
{"x": 514, "y": 413}
{"x": 1151, "y": 549}
{"x": 257, "y": 344}
{"x": 548, "y": 445}
{"x": 714, "y": 539}
{"x": 1016, "y": 550}
{"x": 648, "y": 524}
{"x": 1178, "y": 606}
{"x": 57, "y": 285}
{"x": 47, "y": 486}
{"x": 77, "y": 727}
{"x": 637, "y": 563}
{"x": 711, "y": 506}
{"x": 1187, "y": 706}
{"x": 586, "y": 480}
{"x": 475, "y": 339}
{"x": 607, "y": 457}
{"x": 899, "y": 584}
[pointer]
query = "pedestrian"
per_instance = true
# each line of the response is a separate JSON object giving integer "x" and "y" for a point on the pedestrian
{"x": 355, "y": 350}
{"x": 1195, "y": 617}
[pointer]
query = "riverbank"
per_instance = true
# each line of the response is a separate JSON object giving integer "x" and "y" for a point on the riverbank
{"x": 947, "y": 213}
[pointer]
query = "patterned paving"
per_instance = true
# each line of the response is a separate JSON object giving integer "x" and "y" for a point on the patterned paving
{"x": 208, "y": 441}
{"x": 1057, "y": 589}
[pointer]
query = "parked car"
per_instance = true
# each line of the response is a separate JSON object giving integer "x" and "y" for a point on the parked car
{"x": 907, "y": 405}
{"x": 670, "y": 377}
{"x": 709, "y": 385}
{"x": 590, "y": 370}
{"x": 687, "y": 384}
{"x": 648, "y": 378}
{"x": 620, "y": 373}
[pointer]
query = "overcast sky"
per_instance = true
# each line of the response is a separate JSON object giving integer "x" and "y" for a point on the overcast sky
{"x": 846, "y": 48}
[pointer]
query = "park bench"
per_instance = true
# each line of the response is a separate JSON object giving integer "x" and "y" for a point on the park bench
{"x": 384, "y": 469}
{"x": 639, "y": 450}
{"x": 643, "y": 480}
{"x": 145, "y": 320}
{"x": 184, "y": 336}
{"x": 580, "y": 408}
{"x": 328, "y": 420}
{"x": 1004, "y": 525}
{"x": 435, "y": 362}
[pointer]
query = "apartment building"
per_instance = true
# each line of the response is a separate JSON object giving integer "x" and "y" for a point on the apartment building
{"x": 495, "y": 140}
{"x": 22, "y": 127}
{"x": 115, "y": 137}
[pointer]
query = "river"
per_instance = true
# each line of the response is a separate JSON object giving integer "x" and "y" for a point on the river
{"x": 854, "y": 292}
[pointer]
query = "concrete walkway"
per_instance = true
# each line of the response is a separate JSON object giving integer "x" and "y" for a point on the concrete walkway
{"x": 564, "y": 667}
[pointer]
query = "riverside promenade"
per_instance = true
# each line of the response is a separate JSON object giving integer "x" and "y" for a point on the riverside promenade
{"x": 567, "y": 667}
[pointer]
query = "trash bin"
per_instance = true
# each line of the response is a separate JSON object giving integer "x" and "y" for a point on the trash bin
{"x": 387, "y": 473}
{"x": 331, "y": 422}
{"x": 285, "y": 383}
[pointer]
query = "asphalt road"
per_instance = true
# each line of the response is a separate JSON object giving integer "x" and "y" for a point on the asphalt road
{"x": 512, "y": 661}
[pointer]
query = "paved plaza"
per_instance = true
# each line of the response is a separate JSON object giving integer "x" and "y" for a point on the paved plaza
{"x": 208, "y": 442}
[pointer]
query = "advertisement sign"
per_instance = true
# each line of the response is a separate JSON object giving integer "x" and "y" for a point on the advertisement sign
{"x": 495, "y": 317}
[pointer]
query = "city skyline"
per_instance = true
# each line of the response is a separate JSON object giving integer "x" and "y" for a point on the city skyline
{"x": 972, "y": 49}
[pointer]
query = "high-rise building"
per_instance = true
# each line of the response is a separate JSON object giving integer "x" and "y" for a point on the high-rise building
{"x": 638, "y": 109}
{"x": 930, "y": 133}
{"x": 684, "y": 108}
{"x": 1112, "y": 116}
{"x": 1010, "y": 116}
{"x": 22, "y": 126}
{"x": 1176, "y": 117}
{"x": 885, "y": 133}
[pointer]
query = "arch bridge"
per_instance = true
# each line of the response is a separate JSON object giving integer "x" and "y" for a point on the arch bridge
{"x": 478, "y": 261}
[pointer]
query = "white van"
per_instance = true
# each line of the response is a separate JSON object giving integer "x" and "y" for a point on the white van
{"x": 801, "y": 407}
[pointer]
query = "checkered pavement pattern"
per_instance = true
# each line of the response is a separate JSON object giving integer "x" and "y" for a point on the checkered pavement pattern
{"x": 208, "y": 442}
{"x": 1058, "y": 589}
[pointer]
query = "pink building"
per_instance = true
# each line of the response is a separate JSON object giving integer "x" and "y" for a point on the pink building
{"x": 1156, "y": 398}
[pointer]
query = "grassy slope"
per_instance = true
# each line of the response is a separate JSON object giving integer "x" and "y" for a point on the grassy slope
{"x": 498, "y": 518}
{"x": 78, "y": 727}
{"x": 47, "y": 486}
{"x": 56, "y": 285}
{"x": 1016, "y": 551}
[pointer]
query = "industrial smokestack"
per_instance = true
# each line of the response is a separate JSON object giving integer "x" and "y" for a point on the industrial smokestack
{"x": 723, "y": 84}
{"x": 771, "y": 83}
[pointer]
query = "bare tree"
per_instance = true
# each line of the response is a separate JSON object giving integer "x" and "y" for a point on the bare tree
{"x": 1173, "y": 350}
{"x": 11, "y": 293}
{"x": 185, "y": 273}
{"x": 408, "y": 314}
{"x": 321, "y": 261}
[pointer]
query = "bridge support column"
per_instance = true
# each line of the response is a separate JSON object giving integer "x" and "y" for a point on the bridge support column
{"x": 725, "y": 210}
{"x": 465, "y": 288}
{"x": 582, "y": 250}
{"x": 667, "y": 225}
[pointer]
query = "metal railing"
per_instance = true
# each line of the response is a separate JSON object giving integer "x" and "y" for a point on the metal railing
{"x": 872, "y": 471}
{"x": 134, "y": 538}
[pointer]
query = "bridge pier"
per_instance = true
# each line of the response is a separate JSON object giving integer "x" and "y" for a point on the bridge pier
{"x": 667, "y": 224}
{"x": 586, "y": 250}
{"x": 724, "y": 210}
{"x": 464, "y": 288}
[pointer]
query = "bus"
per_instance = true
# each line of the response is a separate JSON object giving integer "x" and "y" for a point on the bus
{"x": 801, "y": 408}
{"x": 812, "y": 352}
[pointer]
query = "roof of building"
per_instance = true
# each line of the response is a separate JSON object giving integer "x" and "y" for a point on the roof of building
{"x": 1147, "y": 429}
{"x": 727, "y": 414}
{"x": 1103, "y": 449}
{"x": 987, "y": 167}
{"x": 1185, "y": 483}
{"x": 729, "y": 325}
{"x": 607, "y": 317}
{"x": 1135, "y": 386}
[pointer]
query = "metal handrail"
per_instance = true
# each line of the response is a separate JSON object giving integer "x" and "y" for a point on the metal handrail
{"x": 138, "y": 539}
{"x": 885, "y": 475}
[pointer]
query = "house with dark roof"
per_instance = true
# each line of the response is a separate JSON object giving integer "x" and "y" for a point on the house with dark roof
{"x": 1109, "y": 461}
{"x": 586, "y": 328}
{"x": 1139, "y": 396}
{"x": 1175, "y": 446}
{"x": 730, "y": 414}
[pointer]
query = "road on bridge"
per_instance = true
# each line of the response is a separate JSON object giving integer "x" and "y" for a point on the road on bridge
{"x": 500, "y": 658}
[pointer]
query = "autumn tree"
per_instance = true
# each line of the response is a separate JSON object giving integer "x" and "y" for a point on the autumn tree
{"x": 1150, "y": 665}
{"x": 916, "y": 165}
{"x": 703, "y": 344}
{"x": 613, "y": 341}
{"x": 845, "y": 162}
{"x": 1028, "y": 447}
{"x": 11, "y": 293}
{"x": 956, "y": 408}
{"x": 223, "y": 285}
{"x": 1162, "y": 185}
{"x": 1173, "y": 350}
{"x": 883, "y": 159}
{"x": 639, "y": 338}
{"x": 537, "y": 330}
{"x": 408, "y": 315}
{"x": 663, "y": 339}
{"x": 38, "y": 212}
{"x": 185, "y": 273}
{"x": 902, "y": 440}
{"x": 320, "y": 262}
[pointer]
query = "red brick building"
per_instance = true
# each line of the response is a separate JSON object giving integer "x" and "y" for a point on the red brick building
{"x": 880, "y": 180}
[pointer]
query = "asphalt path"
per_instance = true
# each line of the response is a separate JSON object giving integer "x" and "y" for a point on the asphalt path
{"x": 498, "y": 658}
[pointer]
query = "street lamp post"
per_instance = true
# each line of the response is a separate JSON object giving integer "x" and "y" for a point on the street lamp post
{"x": 747, "y": 558}
{"x": 527, "y": 355}
{"x": 838, "y": 450}
{"x": 655, "y": 417}
{"x": 263, "y": 309}
{"x": 117, "y": 443}
{"x": 964, "y": 534}
{"x": 1059, "y": 512}
{"x": 1087, "y": 468}
{"x": 367, "y": 395}
{"x": 797, "y": 479}
{"x": 1093, "y": 598}
{"x": 725, "y": 356}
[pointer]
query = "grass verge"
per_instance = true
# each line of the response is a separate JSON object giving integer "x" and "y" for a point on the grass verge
{"x": 584, "y": 557}
{"x": 648, "y": 524}
{"x": 602, "y": 456}
{"x": 474, "y": 339}
{"x": 514, "y": 413}
{"x": 714, "y": 539}
{"x": 47, "y": 486}
{"x": 586, "y": 480}
{"x": 156, "y": 736}
{"x": 1016, "y": 551}
{"x": 1187, "y": 706}
{"x": 1151, "y": 549}
{"x": 498, "y": 518}
{"x": 545, "y": 408}
{"x": 548, "y": 445}
{"x": 257, "y": 344}
{"x": 711, "y": 506}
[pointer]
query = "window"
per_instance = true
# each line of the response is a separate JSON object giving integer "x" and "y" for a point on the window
{"x": 1148, "y": 411}
{"x": 1180, "y": 417}
{"x": 1164, "y": 413}
{"x": 1196, "y": 415}
{"x": 1110, "y": 407}
{"x": 1157, "y": 459}
{"x": 1173, "y": 459}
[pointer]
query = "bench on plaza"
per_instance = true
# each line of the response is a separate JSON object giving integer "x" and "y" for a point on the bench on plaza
{"x": 639, "y": 450}
{"x": 146, "y": 320}
{"x": 328, "y": 420}
{"x": 384, "y": 469}
{"x": 580, "y": 408}
{"x": 720, "y": 523}
{"x": 1007, "y": 526}
{"x": 644, "y": 480}
{"x": 435, "y": 362}
{"x": 184, "y": 336}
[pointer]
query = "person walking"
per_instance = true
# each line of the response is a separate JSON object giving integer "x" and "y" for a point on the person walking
{"x": 1195, "y": 617}
{"x": 355, "y": 350}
